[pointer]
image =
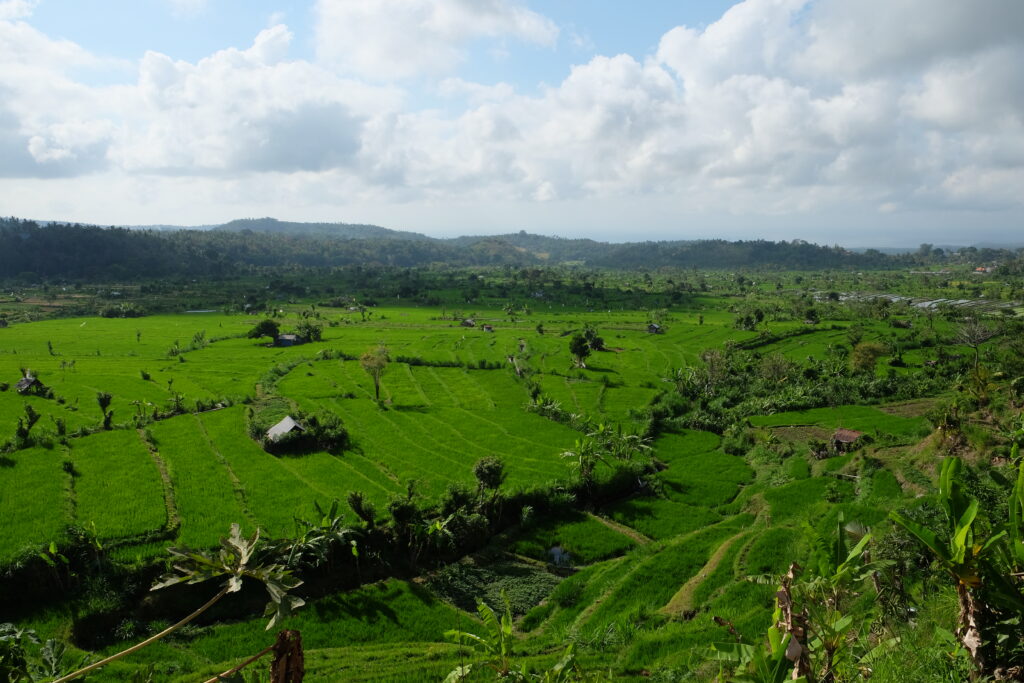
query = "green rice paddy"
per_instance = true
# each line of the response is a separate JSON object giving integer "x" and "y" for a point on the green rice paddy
{"x": 184, "y": 478}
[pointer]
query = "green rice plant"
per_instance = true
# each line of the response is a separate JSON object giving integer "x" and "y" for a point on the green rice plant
{"x": 885, "y": 486}
{"x": 655, "y": 579}
{"x": 203, "y": 490}
{"x": 862, "y": 418}
{"x": 661, "y": 518}
{"x": 274, "y": 495}
{"x": 389, "y": 611}
{"x": 687, "y": 442}
{"x": 584, "y": 538}
{"x": 118, "y": 487}
{"x": 32, "y": 502}
{"x": 806, "y": 499}
{"x": 797, "y": 467}
{"x": 709, "y": 479}
{"x": 770, "y": 552}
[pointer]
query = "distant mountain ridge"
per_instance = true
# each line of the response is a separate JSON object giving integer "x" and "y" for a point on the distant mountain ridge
{"x": 31, "y": 251}
{"x": 351, "y": 231}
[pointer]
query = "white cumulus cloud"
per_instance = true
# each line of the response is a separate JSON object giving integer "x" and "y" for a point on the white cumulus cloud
{"x": 397, "y": 39}
{"x": 16, "y": 9}
{"x": 780, "y": 107}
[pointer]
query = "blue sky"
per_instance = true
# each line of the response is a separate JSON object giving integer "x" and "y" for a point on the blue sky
{"x": 126, "y": 29}
{"x": 815, "y": 119}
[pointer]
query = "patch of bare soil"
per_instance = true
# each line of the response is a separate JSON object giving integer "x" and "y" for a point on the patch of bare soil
{"x": 802, "y": 433}
{"x": 915, "y": 408}
{"x": 621, "y": 528}
{"x": 682, "y": 601}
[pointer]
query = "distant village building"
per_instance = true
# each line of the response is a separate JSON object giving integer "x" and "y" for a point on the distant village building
{"x": 468, "y": 322}
{"x": 843, "y": 439}
{"x": 289, "y": 340}
{"x": 488, "y": 328}
{"x": 655, "y": 328}
{"x": 285, "y": 426}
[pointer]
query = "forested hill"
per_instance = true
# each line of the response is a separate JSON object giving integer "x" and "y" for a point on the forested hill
{"x": 335, "y": 230}
{"x": 29, "y": 251}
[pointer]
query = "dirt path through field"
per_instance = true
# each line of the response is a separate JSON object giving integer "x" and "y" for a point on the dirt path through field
{"x": 682, "y": 601}
{"x": 621, "y": 528}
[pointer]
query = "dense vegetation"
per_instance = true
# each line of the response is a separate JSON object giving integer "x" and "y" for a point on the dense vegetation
{"x": 628, "y": 462}
{"x": 30, "y": 252}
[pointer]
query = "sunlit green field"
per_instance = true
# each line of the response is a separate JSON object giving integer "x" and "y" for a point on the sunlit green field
{"x": 448, "y": 398}
{"x": 435, "y": 422}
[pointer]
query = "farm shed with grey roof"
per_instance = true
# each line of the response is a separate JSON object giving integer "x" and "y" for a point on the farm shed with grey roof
{"x": 285, "y": 426}
{"x": 26, "y": 384}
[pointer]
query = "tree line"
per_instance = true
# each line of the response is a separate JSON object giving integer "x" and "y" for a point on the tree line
{"x": 30, "y": 252}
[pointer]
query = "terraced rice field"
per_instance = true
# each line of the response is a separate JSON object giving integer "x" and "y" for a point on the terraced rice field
{"x": 191, "y": 475}
{"x": 668, "y": 561}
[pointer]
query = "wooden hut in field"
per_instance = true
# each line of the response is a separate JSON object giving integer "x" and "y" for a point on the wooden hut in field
{"x": 468, "y": 322}
{"x": 289, "y": 340}
{"x": 844, "y": 439}
{"x": 655, "y": 328}
{"x": 285, "y": 426}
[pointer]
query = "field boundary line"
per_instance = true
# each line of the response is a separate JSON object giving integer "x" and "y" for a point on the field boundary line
{"x": 236, "y": 484}
{"x": 589, "y": 610}
{"x": 648, "y": 557}
{"x": 415, "y": 383}
{"x": 739, "y": 565}
{"x": 455, "y": 399}
{"x": 442, "y": 452}
{"x": 682, "y": 601}
{"x": 170, "y": 503}
{"x": 368, "y": 436}
{"x": 70, "y": 495}
{"x": 471, "y": 379}
{"x": 523, "y": 463}
{"x": 622, "y": 529}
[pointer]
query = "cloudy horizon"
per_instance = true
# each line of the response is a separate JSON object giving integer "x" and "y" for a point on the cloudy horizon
{"x": 876, "y": 123}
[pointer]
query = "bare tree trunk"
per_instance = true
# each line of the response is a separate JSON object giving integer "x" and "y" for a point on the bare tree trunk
{"x": 795, "y": 624}
{"x": 289, "y": 664}
{"x": 969, "y": 631}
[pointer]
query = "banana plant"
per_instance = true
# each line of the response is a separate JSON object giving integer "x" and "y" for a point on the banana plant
{"x": 961, "y": 555}
{"x": 496, "y": 645}
{"x": 584, "y": 457}
{"x": 755, "y": 663}
{"x": 1015, "y": 525}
